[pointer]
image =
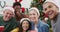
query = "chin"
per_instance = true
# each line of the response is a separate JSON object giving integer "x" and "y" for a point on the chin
{"x": 52, "y": 16}
{"x": 6, "y": 19}
{"x": 25, "y": 29}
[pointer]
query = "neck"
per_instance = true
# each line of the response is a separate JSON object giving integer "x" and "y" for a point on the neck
{"x": 24, "y": 30}
{"x": 36, "y": 22}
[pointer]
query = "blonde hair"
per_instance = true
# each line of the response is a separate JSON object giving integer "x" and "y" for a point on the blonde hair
{"x": 35, "y": 9}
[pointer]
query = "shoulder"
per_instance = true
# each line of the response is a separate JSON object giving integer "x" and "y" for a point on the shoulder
{"x": 43, "y": 24}
{"x": 1, "y": 17}
{"x": 13, "y": 19}
{"x": 15, "y": 30}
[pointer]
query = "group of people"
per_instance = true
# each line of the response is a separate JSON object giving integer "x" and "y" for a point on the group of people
{"x": 15, "y": 21}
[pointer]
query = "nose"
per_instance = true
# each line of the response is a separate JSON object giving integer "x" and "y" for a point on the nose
{"x": 8, "y": 15}
{"x": 47, "y": 10}
{"x": 32, "y": 16}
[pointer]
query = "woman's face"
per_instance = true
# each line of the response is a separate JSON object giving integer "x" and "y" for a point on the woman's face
{"x": 33, "y": 15}
{"x": 17, "y": 10}
{"x": 50, "y": 9}
{"x": 17, "y": 13}
{"x": 25, "y": 25}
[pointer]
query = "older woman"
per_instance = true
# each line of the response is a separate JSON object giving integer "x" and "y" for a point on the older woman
{"x": 37, "y": 24}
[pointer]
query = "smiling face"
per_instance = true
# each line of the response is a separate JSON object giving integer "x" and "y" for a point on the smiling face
{"x": 25, "y": 25}
{"x": 8, "y": 15}
{"x": 17, "y": 7}
{"x": 33, "y": 15}
{"x": 17, "y": 10}
{"x": 50, "y": 9}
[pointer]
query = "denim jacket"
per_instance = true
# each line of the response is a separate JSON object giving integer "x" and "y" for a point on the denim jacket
{"x": 42, "y": 26}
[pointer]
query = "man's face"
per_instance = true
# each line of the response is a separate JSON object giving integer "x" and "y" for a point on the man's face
{"x": 8, "y": 15}
{"x": 50, "y": 9}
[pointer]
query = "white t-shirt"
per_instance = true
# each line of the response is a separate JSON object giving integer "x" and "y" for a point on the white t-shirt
{"x": 36, "y": 28}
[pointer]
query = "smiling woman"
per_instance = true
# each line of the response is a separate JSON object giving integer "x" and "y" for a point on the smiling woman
{"x": 25, "y": 25}
{"x": 37, "y": 24}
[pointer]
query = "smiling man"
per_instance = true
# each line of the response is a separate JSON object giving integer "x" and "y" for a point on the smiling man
{"x": 52, "y": 9}
{"x": 7, "y": 20}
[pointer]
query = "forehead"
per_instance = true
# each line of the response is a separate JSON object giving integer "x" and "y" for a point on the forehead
{"x": 17, "y": 6}
{"x": 25, "y": 21}
{"x": 45, "y": 5}
{"x": 32, "y": 11}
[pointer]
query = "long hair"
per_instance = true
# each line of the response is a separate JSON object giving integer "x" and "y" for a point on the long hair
{"x": 21, "y": 29}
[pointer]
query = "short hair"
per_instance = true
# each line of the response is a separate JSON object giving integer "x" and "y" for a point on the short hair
{"x": 16, "y": 4}
{"x": 8, "y": 8}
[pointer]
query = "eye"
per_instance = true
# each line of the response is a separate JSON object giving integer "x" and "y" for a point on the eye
{"x": 33, "y": 14}
{"x": 11, "y": 14}
{"x": 7, "y": 13}
{"x": 50, "y": 6}
{"x": 45, "y": 9}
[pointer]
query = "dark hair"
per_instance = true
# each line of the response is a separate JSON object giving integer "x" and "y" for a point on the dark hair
{"x": 16, "y": 4}
{"x": 21, "y": 29}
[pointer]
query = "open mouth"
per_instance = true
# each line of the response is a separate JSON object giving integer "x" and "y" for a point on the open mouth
{"x": 50, "y": 12}
{"x": 25, "y": 28}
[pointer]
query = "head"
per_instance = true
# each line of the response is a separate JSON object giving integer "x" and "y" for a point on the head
{"x": 51, "y": 9}
{"x": 8, "y": 13}
{"x": 25, "y": 24}
{"x": 34, "y": 14}
{"x": 17, "y": 8}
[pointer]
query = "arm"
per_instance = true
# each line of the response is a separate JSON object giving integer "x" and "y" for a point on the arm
{"x": 15, "y": 30}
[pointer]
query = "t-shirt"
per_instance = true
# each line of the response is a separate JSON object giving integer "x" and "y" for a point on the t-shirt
{"x": 56, "y": 24}
{"x": 36, "y": 29}
{"x": 8, "y": 25}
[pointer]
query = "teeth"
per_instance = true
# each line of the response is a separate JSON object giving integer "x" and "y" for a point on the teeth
{"x": 50, "y": 12}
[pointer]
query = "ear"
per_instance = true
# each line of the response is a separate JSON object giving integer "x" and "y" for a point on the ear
{"x": 38, "y": 16}
{"x": 3, "y": 11}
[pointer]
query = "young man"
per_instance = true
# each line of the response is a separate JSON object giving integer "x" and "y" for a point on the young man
{"x": 52, "y": 9}
{"x": 7, "y": 20}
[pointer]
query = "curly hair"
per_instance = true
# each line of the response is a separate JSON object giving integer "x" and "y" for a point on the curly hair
{"x": 16, "y": 4}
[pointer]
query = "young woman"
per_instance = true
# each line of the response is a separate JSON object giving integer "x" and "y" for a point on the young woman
{"x": 25, "y": 25}
{"x": 37, "y": 24}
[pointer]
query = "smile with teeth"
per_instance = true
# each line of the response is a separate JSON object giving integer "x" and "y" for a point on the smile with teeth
{"x": 50, "y": 12}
